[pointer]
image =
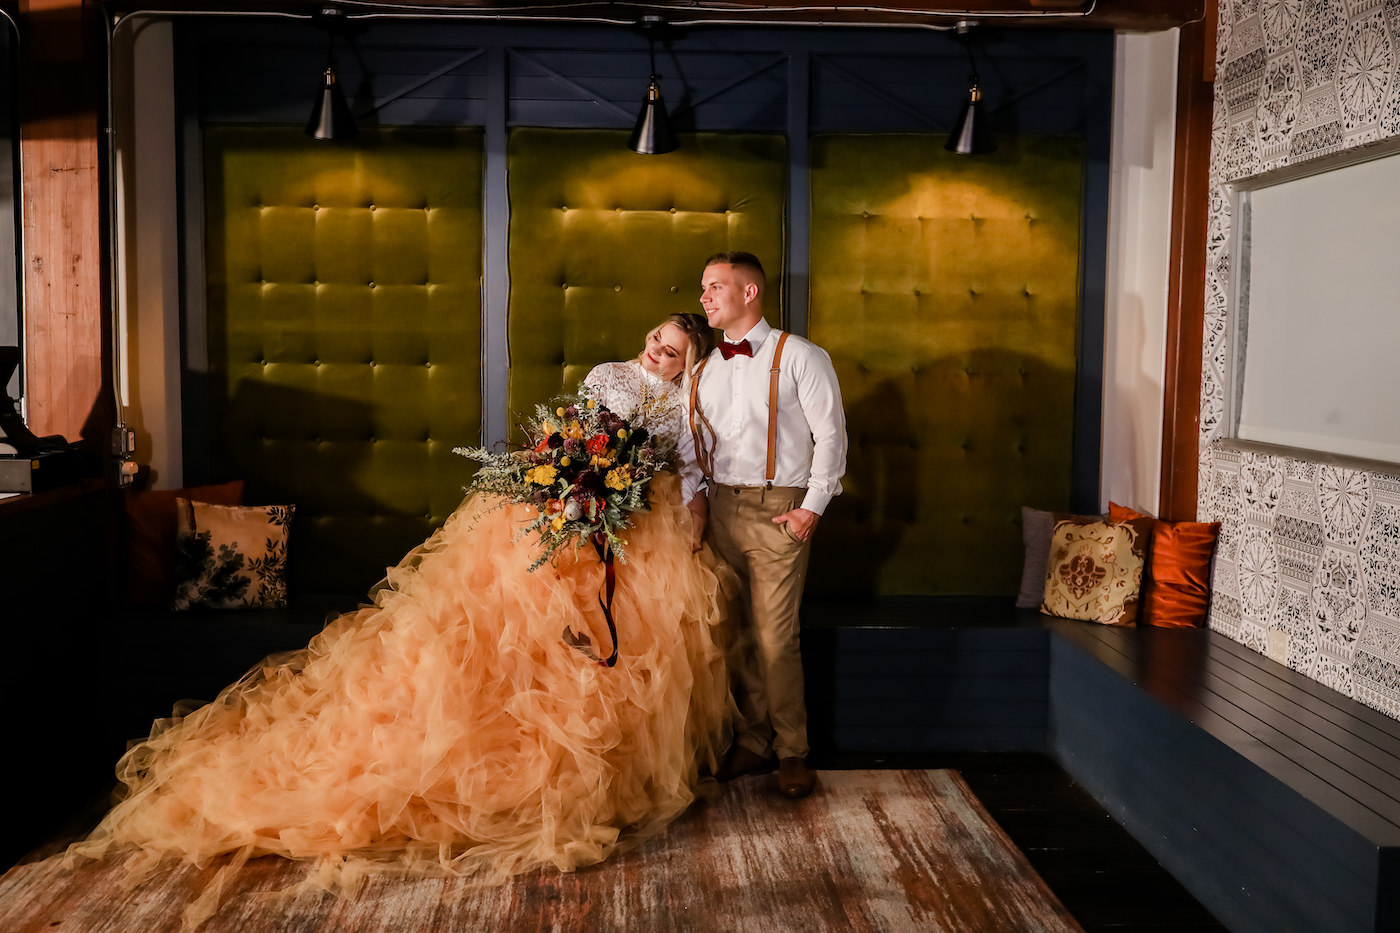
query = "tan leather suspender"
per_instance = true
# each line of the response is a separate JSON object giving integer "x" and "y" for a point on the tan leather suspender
{"x": 705, "y": 456}
{"x": 773, "y": 411}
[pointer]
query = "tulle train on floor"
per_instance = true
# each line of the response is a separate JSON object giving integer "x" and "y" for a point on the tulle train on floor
{"x": 447, "y": 726}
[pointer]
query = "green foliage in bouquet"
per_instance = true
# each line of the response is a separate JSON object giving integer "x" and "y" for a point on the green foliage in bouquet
{"x": 585, "y": 469}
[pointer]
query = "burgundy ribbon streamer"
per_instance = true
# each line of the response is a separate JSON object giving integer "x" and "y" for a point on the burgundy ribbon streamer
{"x": 609, "y": 582}
{"x": 605, "y": 599}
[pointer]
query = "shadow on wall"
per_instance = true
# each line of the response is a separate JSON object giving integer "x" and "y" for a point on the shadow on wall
{"x": 943, "y": 454}
{"x": 863, "y": 527}
{"x": 362, "y": 500}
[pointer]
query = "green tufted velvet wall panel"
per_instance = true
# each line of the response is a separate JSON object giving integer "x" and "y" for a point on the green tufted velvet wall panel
{"x": 605, "y": 242}
{"x": 344, "y": 334}
{"x": 946, "y": 290}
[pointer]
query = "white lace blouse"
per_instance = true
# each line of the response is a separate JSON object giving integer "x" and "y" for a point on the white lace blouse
{"x": 647, "y": 400}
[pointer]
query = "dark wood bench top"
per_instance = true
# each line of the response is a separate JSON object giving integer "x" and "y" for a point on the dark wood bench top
{"x": 1339, "y": 754}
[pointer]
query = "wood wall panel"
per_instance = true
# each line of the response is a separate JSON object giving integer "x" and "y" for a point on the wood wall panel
{"x": 1181, "y": 413}
{"x": 61, "y": 164}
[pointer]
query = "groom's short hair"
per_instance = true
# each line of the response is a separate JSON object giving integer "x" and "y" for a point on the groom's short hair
{"x": 739, "y": 258}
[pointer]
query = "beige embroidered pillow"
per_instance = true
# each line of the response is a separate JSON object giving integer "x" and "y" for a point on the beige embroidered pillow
{"x": 231, "y": 557}
{"x": 1095, "y": 571}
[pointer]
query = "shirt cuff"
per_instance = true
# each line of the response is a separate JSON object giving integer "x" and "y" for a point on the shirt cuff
{"x": 816, "y": 501}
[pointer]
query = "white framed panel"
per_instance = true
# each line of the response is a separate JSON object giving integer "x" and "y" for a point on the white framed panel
{"x": 1317, "y": 308}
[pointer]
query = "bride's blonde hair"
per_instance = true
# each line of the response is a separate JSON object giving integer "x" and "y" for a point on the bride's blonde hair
{"x": 699, "y": 341}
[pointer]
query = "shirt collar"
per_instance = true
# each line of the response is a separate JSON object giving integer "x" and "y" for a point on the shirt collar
{"x": 757, "y": 334}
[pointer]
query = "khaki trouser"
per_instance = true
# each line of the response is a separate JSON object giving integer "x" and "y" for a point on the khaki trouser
{"x": 763, "y": 650}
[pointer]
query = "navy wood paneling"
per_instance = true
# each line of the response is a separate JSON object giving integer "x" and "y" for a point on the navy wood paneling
{"x": 913, "y": 676}
{"x": 713, "y": 78}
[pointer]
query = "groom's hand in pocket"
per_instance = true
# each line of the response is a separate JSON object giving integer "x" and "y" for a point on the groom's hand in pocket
{"x": 801, "y": 522}
{"x": 699, "y": 515}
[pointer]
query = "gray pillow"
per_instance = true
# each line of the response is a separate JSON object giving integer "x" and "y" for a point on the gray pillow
{"x": 1037, "y": 527}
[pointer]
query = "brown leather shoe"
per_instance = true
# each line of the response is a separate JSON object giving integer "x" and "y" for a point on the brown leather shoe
{"x": 740, "y": 761}
{"x": 795, "y": 779}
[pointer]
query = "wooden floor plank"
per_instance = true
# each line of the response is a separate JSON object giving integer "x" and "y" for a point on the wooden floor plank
{"x": 870, "y": 851}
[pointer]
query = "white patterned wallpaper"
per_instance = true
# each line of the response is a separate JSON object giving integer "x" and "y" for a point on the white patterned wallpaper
{"x": 1308, "y": 566}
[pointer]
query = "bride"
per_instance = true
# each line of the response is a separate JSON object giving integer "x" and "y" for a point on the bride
{"x": 447, "y": 726}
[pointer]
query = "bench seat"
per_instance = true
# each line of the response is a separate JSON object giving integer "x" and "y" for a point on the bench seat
{"x": 156, "y": 658}
{"x": 1273, "y": 799}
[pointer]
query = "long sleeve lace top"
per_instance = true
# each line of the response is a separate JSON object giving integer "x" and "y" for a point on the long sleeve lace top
{"x": 649, "y": 401}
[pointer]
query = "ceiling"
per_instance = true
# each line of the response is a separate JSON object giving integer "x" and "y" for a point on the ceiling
{"x": 1133, "y": 15}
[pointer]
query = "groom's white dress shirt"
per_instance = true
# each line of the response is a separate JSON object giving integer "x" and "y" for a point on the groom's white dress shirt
{"x": 811, "y": 448}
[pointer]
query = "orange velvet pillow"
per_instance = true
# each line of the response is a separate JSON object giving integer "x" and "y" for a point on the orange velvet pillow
{"x": 1178, "y": 570}
{"x": 150, "y": 539}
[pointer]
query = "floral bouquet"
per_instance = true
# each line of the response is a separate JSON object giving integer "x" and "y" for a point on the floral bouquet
{"x": 586, "y": 470}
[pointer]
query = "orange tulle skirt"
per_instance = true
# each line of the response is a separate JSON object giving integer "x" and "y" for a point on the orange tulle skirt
{"x": 447, "y": 727}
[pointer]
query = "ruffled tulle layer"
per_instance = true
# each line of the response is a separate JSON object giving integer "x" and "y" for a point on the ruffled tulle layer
{"x": 447, "y": 726}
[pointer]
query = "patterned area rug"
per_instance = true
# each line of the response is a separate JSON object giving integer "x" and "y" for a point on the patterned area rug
{"x": 869, "y": 851}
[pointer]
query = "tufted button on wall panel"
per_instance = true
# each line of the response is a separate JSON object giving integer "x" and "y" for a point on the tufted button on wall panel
{"x": 941, "y": 357}
{"x": 566, "y": 277}
{"x": 386, "y": 285}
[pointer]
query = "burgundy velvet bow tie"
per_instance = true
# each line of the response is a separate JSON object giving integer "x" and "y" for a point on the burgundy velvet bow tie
{"x": 742, "y": 348}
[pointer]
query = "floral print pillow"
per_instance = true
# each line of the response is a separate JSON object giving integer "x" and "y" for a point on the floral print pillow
{"x": 231, "y": 557}
{"x": 1095, "y": 570}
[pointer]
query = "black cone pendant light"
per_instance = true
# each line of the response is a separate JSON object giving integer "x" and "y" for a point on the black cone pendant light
{"x": 972, "y": 134}
{"x": 652, "y": 133}
{"x": 330, "y": 115}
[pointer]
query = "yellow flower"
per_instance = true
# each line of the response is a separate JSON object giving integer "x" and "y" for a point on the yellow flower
{"x": 597, "y": 461}
{"x": 564, "y": 461}
{"x": 591, "y": 403}
{"x": 575, "y": 430}
{"x": 557, "y": 523}
{"x": 548, "y": 429}
{"x": 622, "y": 434}
{"x": 559, "y": 411}
{"x": 618, "y": 479}
{"x": 542, "y": 475}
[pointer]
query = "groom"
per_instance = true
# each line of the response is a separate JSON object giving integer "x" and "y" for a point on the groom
{"x": 770, "y": 436}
